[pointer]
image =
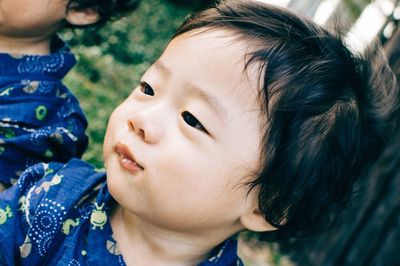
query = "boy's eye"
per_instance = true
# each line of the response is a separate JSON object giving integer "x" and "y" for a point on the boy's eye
{"x": 192, "y": 121}
{"x": 146, "y": 89}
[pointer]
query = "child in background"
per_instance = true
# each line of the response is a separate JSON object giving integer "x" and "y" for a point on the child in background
{"x": 40, "y": 120}
{"x": 253, "y": 118}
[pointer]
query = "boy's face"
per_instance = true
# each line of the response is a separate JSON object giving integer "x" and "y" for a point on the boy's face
{"x": 194, "y": 128}
{"x": 31, "y": 18}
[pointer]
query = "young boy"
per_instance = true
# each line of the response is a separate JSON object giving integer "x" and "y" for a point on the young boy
{"x": 40, "y": 120}
{"x": 252, "y": 119}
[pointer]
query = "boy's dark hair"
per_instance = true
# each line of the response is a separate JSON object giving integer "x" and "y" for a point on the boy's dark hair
{"x": 107, "y": 9}
{"x": 328, "y": 112}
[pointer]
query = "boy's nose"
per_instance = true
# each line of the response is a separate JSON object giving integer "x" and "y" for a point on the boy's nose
{"x": 150, "y": 131}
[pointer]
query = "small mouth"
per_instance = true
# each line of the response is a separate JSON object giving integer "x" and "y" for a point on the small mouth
{"x": 126, "y": 158}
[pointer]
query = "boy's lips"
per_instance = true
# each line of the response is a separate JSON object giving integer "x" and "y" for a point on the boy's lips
{"x": 126, "y": 158}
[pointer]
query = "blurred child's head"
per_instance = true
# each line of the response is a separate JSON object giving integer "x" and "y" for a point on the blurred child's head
{"x": 40, "y": 19}
{"x": 252, "y": 118}
{"x": 104, "y": 9}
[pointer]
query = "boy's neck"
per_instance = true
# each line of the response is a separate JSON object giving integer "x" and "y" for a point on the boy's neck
{"x": 142, "y": 243}
{"x": 12, "y": 45}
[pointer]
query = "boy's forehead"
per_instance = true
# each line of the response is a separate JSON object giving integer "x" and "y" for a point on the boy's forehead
{"x": 215, "y": 52}
{"x": 214, "y": 38}
{"x": 192, "y": 89}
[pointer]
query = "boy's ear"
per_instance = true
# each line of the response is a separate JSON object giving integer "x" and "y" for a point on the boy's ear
{"x": 254, "y": 221}
{"x": 82, "y": 16}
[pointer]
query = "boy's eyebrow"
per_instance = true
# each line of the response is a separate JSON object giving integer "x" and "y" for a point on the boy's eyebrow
{"x": 158, "y": 64}
{"x": 211, "y": 100}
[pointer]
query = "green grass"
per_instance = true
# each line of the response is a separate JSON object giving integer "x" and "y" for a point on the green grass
{"x": 112, "y": 59}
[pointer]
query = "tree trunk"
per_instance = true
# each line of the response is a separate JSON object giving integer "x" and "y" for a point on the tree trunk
{"x": 369, "y": 233}
{"x": 392, "y": 48}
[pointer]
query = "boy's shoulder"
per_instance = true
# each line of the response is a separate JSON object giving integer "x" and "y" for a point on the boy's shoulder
{"x": 224, "y": 255}
{"x": 57, "y": 182}
{"x": 52, "y": 182}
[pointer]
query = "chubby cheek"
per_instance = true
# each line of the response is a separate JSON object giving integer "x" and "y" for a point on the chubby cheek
{"x": 197, "y": 204}
{"x": 192, "y": 179}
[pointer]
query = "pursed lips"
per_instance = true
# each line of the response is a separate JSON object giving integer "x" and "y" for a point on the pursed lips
{"x": 126, "y": 158}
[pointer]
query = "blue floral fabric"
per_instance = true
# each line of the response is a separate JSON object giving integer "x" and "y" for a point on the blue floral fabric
{"x": 59, "y": 215}
{"x": 40, "y": 120}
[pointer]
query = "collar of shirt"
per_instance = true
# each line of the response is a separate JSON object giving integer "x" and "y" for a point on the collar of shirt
{"x": 53, "y": 66}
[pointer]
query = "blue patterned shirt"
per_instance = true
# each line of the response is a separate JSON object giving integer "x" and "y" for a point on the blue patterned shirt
{"x": 59, "y": 215}
{"x": 40, "y": 120}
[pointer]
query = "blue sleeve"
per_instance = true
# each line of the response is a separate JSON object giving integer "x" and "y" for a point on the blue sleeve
{"x": 40, "y": 119}
{"x": 32, "y": 212}
{"x": 14, "y": 211}
{"x": 26, "y": 140}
